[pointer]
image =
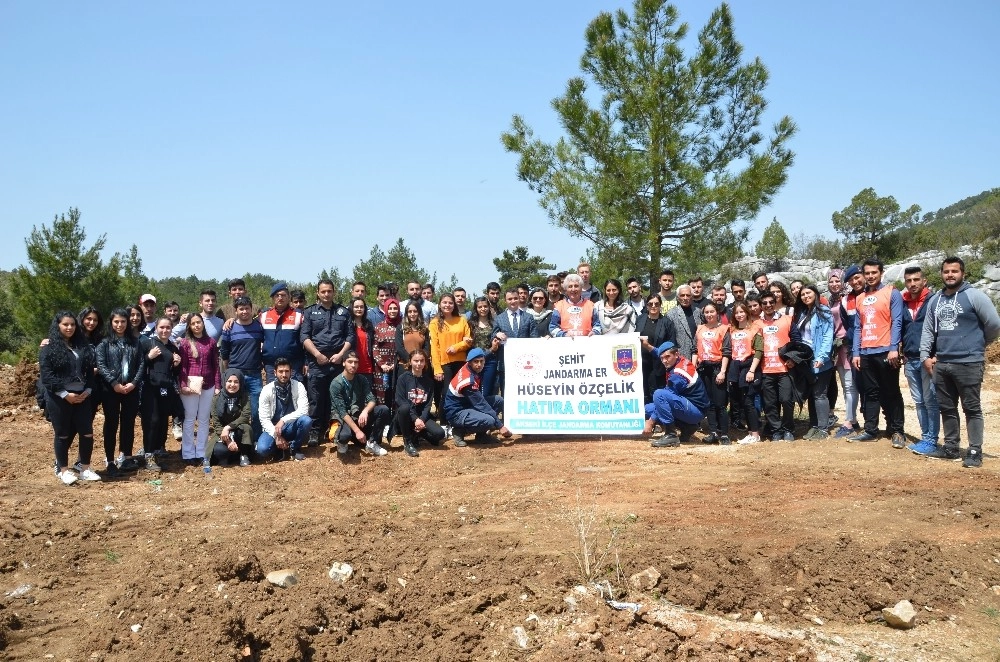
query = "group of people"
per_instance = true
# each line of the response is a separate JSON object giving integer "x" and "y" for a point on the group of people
{"x": 243, "y": 383}
{"x": 757, "y": 356}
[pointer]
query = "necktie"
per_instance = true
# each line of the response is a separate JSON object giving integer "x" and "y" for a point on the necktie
{"x": 516, "y": 321}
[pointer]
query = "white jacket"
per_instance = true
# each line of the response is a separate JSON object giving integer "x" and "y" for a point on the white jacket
{"x": 265, "y": 409}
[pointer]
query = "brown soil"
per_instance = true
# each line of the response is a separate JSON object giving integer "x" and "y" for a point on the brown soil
{"x": 455, "y": 549}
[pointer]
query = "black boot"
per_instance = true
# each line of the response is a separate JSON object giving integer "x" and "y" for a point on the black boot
{"x": 410, "y": 446}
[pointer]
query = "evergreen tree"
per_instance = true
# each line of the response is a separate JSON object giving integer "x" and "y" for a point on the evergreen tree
{"x": 63, "y": 274}
{"x": 672, "y": 149}
{"x": 518, "y": 266}
{"x": 774, "y": 246}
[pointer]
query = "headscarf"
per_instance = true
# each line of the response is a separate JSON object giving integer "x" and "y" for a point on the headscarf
{"x": 399, "y": 315}
{"x": 835, "y": 298}
{"x": 226, "y": 402}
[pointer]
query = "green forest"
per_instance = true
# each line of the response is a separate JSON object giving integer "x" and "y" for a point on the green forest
{"x": 66, "y": 272}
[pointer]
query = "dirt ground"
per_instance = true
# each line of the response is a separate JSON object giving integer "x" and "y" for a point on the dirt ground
{"x": 766, "y": 552}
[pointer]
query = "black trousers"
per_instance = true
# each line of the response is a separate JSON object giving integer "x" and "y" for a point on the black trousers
{"x": 880, "y": 387}
{"x": 776, "y": 391}
{"x": 120, "y": 412}
{"x": 377, "y": 420}
{"x": 718, "y": 396}
{"x": 432, "y": 432}
{"x": 69, "y": 421}
{"x": 318, "y": 390}
{"x": 157, "y": 406}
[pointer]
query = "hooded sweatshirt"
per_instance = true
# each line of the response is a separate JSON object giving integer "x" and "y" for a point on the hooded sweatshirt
{"x": 958, "y": 326}
{"x": 913, "y": 322}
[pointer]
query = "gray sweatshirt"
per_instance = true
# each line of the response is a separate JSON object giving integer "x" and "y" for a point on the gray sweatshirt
{"x": 958, "y": 326}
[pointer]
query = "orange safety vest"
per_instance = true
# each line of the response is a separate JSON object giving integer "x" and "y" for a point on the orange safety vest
{"x": 776, "y": 334}
{"x": 709, "y": 342}
{"x": 574, "y": 319}
{"x": 875, "y": 317}
{"x": 742, "y": 340}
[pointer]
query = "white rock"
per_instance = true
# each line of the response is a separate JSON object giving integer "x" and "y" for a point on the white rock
{"x": 758, "y": 618}
{"x": 646, "y": 580}
{"x": 520, "y": 637}
{"x": 283, "y": 578}
{"x": 341, "y": 572}
{"x": 136, "y": 628}
{"x": 903, "y": 616}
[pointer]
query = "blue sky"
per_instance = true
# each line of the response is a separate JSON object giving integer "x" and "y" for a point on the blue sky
{"x": 285, "y": 138}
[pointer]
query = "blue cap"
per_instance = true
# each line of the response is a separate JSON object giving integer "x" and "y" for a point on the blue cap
{"x": 850, "y": 271}
{"x": 475, "y": 354}
{"x": 664, "y": 347}
{"x": 277, "y": 287}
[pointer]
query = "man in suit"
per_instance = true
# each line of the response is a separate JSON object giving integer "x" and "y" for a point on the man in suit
{"x": 512, "y": 323}
{"x": 685, "y": 317}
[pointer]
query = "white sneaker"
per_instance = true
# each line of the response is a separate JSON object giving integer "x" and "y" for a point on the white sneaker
{"x": 67, "y": 477}
{"x": 749, "y": 439}
{"x": 375, "y": 449}
{"x": 178, "y": 431}
{"x": 89, "y": 474}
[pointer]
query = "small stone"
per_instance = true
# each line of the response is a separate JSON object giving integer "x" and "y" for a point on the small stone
{"x": 247, "y": 652}
{"x": 588, "y": 625}
{"x": 678, "y": 563}
{"x": 786, "y": 603}
{"x": 402, "y": 582}
{"x": 646, "y": 580}
{"x": 136, "y": 628}
{"x": 520, "y": 637}
{"x": 341, "y": 572}
{"x": 283, "y": 578}
{"x": 817, "y": 620}
{"x": 757, "y": 618}
{"x": 902, "y": 617}
{"x": 995, "y": 589}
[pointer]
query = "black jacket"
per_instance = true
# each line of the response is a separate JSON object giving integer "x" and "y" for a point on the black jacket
{"x": 112, "y": 353}
{"x": 161, "y": 372}
{"x": 62, "y": 371}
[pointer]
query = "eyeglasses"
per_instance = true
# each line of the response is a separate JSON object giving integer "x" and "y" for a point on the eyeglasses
{"x": 767, "y": 303}
{"x": 538, "y": 298}
{"x": 653, "y": 304}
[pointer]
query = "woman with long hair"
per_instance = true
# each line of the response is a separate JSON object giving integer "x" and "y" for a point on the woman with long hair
{"x": 451, "y": 340}
{"x": 538, "y": 307}
{"x": 411, "y": 335}
{"x": 90, "y": 320}
{"x": 200, "y": 381}
{"x": 159, "y": 391}
{"x": 364, "y": 331}
{"x": 384, "y": 353}
{"x": 615, "y": 312}
{"x": 67, "y": 364}
{"x": 841, "y": 357}
{"x": 815, "y": 322}
{"x": 136, "y": 321}
{"x": 413, "y": 404}
{"x": 654, "y": 329}
{"x": 121, "y": 366}
{"x": 744, "y": 376}
{"x": 783, "y": 301}
{"x": 481, "y": 323}
{"x": 713, "y": 351}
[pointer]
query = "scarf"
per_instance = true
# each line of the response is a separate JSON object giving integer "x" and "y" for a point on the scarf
{"x": 620, "y": 319}
{"x": 226, "y": 402}
{"x": 282, "y": 400}
{"x": 835, "y": 298}
{"x": 399, "y": 318}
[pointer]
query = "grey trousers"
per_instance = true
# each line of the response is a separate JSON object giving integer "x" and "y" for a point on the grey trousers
{"x": 954, "y": 382}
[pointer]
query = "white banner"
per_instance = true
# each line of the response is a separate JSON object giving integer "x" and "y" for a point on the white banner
{"x": 583, "y": 385}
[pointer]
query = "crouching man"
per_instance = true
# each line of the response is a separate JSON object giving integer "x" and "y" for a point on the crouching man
{"x": 467, "y": 408}
{"x": 283, "y": 415}
{"x": 683, "y": 402}
{"x": 352, "y": 405}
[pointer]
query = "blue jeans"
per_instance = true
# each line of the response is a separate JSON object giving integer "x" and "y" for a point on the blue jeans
{"x": 489, "y": 376}
{"x": 254, "y": 384}
{"x": 924, "y": 399}
{"x": 296, "y": 432}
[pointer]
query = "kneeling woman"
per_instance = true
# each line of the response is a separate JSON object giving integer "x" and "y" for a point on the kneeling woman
{"x": 230, "y": 441}
{"x": 67, "y": 369}
{"x": 413, "y": 405}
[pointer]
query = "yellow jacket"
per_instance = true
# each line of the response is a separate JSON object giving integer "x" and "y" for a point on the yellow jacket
{"x": 452, "y": 336}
